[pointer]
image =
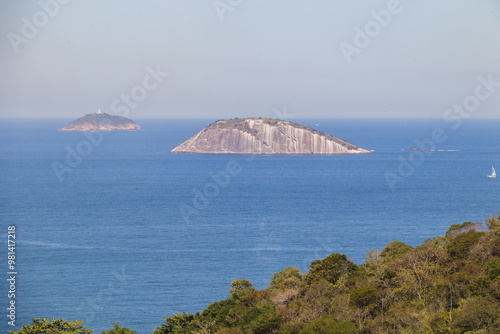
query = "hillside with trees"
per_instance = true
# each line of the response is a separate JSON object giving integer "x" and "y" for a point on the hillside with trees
{"x": 449, "y": 284}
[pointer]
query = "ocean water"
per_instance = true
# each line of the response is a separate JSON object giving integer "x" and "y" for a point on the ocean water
{"x": 130, "y": 232}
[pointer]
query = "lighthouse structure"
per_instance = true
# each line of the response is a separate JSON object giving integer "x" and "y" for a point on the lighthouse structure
{"x": 99, "y": 112}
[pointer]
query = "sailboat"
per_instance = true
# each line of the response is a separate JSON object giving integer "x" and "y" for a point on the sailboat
{"x": 493, "y": 173}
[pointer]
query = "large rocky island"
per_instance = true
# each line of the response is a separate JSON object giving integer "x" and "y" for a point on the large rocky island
{"x": 264, "y": 136}
{"x": 101, "y": 122}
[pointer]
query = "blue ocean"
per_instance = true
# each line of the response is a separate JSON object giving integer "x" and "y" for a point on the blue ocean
{"x": 112, "y": 227}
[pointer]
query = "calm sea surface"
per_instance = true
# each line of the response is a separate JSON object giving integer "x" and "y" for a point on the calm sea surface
{"x": 131, "y": 232}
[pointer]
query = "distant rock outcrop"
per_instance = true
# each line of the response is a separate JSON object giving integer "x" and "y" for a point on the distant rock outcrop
{"x": 264, "y": 136}
{"x": 101, "y": 122}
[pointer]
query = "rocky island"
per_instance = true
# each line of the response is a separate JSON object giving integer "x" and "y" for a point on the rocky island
{"x": 101, "y": 122}
{"x": 264, "y": 136}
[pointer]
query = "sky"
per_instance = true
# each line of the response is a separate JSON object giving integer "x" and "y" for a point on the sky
{"x": 250, "y": 58}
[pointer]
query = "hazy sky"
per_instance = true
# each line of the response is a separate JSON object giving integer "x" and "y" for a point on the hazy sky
{"x": 241, "y": 58}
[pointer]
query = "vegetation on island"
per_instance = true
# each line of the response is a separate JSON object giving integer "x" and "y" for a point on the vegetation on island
{"x": 100, "y": 122}
{"x": 449, "y": 284}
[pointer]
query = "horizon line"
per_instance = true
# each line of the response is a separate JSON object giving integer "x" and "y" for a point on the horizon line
{"x": 210, "y": 118}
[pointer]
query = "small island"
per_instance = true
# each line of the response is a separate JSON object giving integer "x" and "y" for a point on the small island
{"x": 100, "y": 121}
{"x": 264, "y": 136}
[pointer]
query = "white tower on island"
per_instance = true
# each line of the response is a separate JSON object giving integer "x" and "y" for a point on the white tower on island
{"x": 99, "y": 112}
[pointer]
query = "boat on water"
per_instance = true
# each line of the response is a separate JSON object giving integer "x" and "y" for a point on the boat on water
{"x": 493, "y": 173}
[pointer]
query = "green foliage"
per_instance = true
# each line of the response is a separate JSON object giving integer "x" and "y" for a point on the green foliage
{"x": 449, "y": 284}
{"x": 440, "y": 323}
{"x": 479, "y": 287}
{"x": 241, "y": 287}
{"x": 261, "y": 320}
{"x": 494, "y": 223}
{"x": 459, "y": 246}
{"x": 225, "y": 313}
{"x": 216, "y": 308}
{"x": 287, "y": 278}
{"x": 493, "y": 267}
{"x": 474, "y": 314}
{"x": 495, "y": 247}
{"x": 327, "y": 325}
{"x": 457, "y": 229}
{"x": 119, "y": 330}
{"x": 364, "y": 296}
{"x": 373, "y": 257}
{"x": 177, "y": 324}
{"x": 331, "y": 268}
{"x": 394, "y": 249}
{"x": 56, "y": 326}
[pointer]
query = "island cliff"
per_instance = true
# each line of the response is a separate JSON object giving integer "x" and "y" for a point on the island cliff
{"x": 101, "y": 122}
{"x": 264, "y": 136}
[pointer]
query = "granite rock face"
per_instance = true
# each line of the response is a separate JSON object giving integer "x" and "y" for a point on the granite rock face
{"x": 264, "y": 136}
{"x": 101, "y": 122}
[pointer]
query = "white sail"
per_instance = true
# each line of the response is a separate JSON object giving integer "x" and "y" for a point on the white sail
{"x": 493, "y": 173}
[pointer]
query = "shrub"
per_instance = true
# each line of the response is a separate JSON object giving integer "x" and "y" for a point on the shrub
{"x": 394, "y": 249}
{"x": 262, "y": 320}
{"x": 493, "y": 223}
{"x": 493, "y": 267}
{"x": 457, "y": 229}
{"x": 331, "y": 268}
{"x": 459, "y": 246}
{"x": 287, "y": 278}
{"x": 43, "y": 325}
{"x": 119, "y": 330}
{"x": 329, "y": 326}
{"x": 474, "y": 313}
{"x": 179, "y": 323}
{"x": 241, "y": 287}
{"x": 364, "y": 296}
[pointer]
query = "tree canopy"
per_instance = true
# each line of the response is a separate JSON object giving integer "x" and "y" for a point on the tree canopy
{"x": 54, "y": 326}
{"x": 331, "y": 268}
{"x": 449, "y": 284}
{"x": 119, "y": 330}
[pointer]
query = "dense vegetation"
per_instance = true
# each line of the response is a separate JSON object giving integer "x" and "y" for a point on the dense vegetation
{"x": 61, "y": 326}
{"x": 449, "y": 284}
